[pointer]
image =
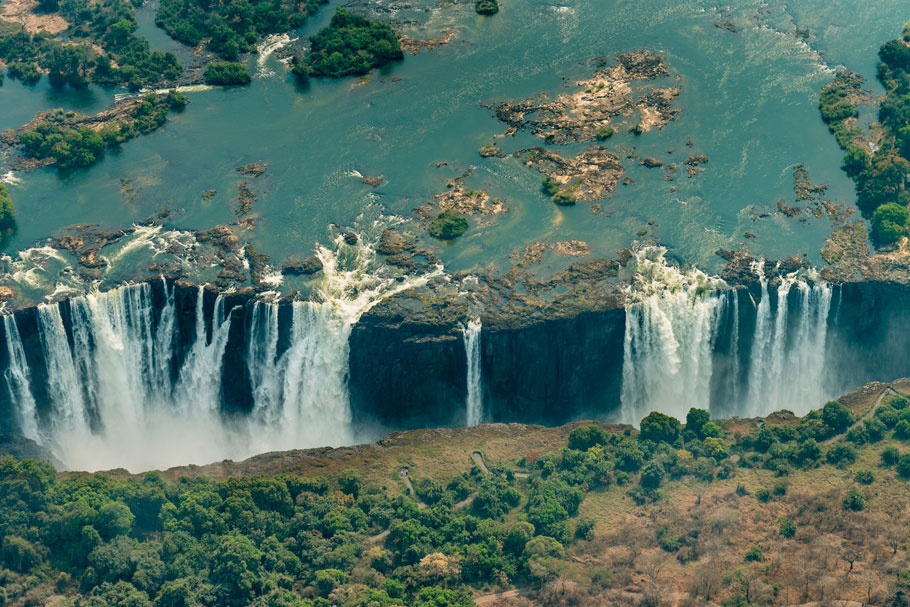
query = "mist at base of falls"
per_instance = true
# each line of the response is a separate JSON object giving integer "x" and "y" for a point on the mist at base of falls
{"x": 157, "y": 375}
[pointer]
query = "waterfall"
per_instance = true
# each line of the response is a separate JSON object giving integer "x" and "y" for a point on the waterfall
{"x": 673, "y": 320}
{"x": 127, "y": 387}
{"x": 18, "y": 380}
{"x": 474, "y": 401}
{"x": 671, "y": 326}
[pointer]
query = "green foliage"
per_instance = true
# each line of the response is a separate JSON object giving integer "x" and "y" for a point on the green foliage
{"x": 227, "y": 73}
{"x": 836, "y": 417}
{"x": 352, "y": 45}
{"x": 585, "y": 437}
{"x": 659, "y": 428}
{"x": 26, "y": 71}
{"x": 550, "y": 186}
{"x": 890, "y": 456}
{"x": 449, "y": 224}
{"x": 841, "y": 455}
{"x": 696, "y": 419}
{"x": 787, "y": 528}
{"x": 854, "y": 501}
{"x": 889, "y": 223}
{"x": 864, "y": 477}
{"x": 63, "y": 138}
{"x": 231, "y": 28}
{"x": 754, "y": 555}
{"x": 7, "y": 209}
{"x": 486, "y": 7}
{"x": 651, "y": 476}
{"x": 564, "y": 198}
{"x": 903, "y": 465}
{"x": 604, "y": 133}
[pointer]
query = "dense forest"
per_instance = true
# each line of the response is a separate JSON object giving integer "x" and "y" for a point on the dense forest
{"x": 881, "y": 175}
{"x": 350, "y": 45}
{"x": 343, "y": 539}
{"x": 231, "y": 27}
{"x": 110, "y": 25}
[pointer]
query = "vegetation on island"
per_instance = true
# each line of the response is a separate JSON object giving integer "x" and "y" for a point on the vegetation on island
{"x": 563, "y": 197}
{"x": 486, "y": 7}
{"x": 7, "y": 210}
{"x": 350, "y": 45}
{"x": 734, "y": 513}
{"x": 449, "y": 224}
{"x": 68, "y": 140}
{"x": 230, "y": 29}
{"x": 880, "y": 176}
{"x": 227, "y": 73}
{"x": 100, "y": 46}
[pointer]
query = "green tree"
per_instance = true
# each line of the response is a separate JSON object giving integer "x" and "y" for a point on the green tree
{"x": 659, "y": 428}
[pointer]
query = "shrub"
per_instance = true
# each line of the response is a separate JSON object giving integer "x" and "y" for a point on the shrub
{"x": 763, "y": 495}
{"x": 350, "y": 482}
{"x": 696, "y": 419}
{"x": 903, "y": 465}
{"x": 486, "y": 7}
{"x": 875, "y": 429}
{"x": 564, "y": 198}
{"x": 902, "y": 429}
{"x": 550, "y": 186}
{"x": 754, "y": 555}
{"x": 837, "y": 417}
{"x": 7, "y": 210}
{"x": 741, "y": 490}
{"x": 584, "y": 528}
{"x": 887, "y": 415}
{"x": 889, "y": 223}
{"x": 604, "y": 133}
{"x": 864, "y": 477}
{"x": 855, "y": 501}
{"x": 585, "y": 437}
{"x": 448, "y": 224}
{"x": 787, "y": 528}
{"x": 780, "y": 488}
{"x": 227, "y": 73}
{"x": 890, "y": 456}
{"x": 26, "y": 71}
{"x": 658, "y": 427}
{"x": 651, "y": 476}
{"x": 841, "y": 455}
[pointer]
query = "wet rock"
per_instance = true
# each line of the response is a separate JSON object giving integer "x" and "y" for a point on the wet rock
{"x": 372, "y": 181}
{"x": 651, "y": 162}
{"x": 592, "y": 175}
{"x": 351, "y": 238}
{"x": 302, "y": 267}
{"x": 6, "y": 294}
{"x": 253, "y": 169}
{"x": 393, "y": 243}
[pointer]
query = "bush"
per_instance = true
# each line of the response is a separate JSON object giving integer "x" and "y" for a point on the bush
{"x": 837, "y": 417}
{"x": 584, "y": 529}
{"x": 889, "y": 223}
{"x": 864, "y": 477}
{"x": 658, "y": 427}
{"x": 903, "y": 465}
{"x": 585, "y": 437}
{"x": 7, "y": 209}
{"x": 651, "y": 476}
{"x": 787, "y": 528}
{"x": 754, "y": 555}
{"x": 227, "y": 73}
{"x": 841, "y": 455}
{"x": 564, "y": 198}
{"x": 763, "y": 495}
{"x": 696, "y": 419}
{"x": 550, "y": 186}
{"x": 890, "y": 456}
{"x": 350, "y": 482}
{"x": 26, "y": 71}
{"x": 604, "y": 133}
{"x": 448, "y": 224}
{"x": 486, "y": 7}
{"x": 855, "y": 501}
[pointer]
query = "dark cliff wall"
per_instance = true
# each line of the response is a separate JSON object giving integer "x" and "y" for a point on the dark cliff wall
{"x": 549, "y": 372}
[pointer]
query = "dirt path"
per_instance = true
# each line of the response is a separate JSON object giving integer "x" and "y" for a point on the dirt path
{"x": 887, "y": 391}
{"x": 477, "y": 456}
{"x": 496, "y": 596}
{"x": 406, "y": 477}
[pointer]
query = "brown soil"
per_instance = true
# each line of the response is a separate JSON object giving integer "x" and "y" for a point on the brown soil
{"x": 22, "y": 12}
{"x": 591, "y": 175}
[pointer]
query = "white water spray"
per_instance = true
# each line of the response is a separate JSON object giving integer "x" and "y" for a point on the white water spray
{"x": 474, "y": 401}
